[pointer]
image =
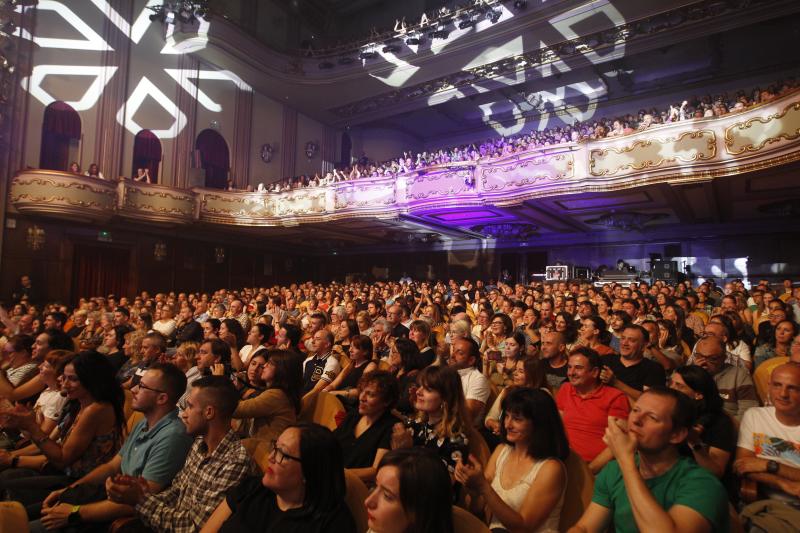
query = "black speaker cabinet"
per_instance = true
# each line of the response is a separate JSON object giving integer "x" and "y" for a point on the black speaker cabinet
{"x": 665, "y": 270}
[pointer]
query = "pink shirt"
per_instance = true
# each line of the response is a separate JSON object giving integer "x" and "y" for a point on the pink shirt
{"x": 586, "y": 419}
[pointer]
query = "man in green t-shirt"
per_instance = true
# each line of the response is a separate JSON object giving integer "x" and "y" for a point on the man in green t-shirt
{"x": 649, "y": 486}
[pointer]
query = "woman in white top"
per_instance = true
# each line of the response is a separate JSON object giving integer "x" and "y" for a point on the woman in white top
{"x": 523, "y": 485}
{"x": 166, "y": 323}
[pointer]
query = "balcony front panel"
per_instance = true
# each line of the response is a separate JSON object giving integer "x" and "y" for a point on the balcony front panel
{"x": 683, "y": 152}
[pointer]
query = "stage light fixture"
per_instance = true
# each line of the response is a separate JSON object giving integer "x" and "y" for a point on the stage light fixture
{"x": 367, "y": 55}
{"x": 391, "y": 49}
{"x": 493, "y": 15}
{"x": 413, "y": 41}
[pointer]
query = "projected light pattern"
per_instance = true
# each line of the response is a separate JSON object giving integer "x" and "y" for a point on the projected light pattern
{"x": 142, "y": 88}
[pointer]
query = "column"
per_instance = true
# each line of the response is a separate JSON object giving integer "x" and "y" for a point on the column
{"x": 288, "y": 142}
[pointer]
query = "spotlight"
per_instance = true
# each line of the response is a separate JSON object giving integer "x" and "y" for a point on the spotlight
{"x": 466, "y": 22}
{"x": 391, "y": 49}
{"x": 366, "y": 55}
{"x": 156, "y": 16}
{"x": 493, "y": 15}
{"x": 441, "y": 34}
{"x": 413, "y": 40}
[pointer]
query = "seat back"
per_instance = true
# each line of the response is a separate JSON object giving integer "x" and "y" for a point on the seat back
{"x": 258, "y": 450}
{"x": 466, "y": 522}
{"x": 578, "y": 494}
{"x": 322, "y": 410}
{"x": 478, "y": 447}
{"x": 127, "y": 407}
{"x": 13, "y": 518}
{"x": 356, "y": 493}
{"x": 133, "y": 419}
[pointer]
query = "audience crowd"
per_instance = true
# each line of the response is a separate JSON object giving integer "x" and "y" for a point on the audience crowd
{"x": 211, "y": 412}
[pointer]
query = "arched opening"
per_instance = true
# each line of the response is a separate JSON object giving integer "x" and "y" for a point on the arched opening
{"x": 214, "y": 158}
{"x": 347, "y": 147}
{"x": 61, "y": 135}
{"x": 146, "y": 154}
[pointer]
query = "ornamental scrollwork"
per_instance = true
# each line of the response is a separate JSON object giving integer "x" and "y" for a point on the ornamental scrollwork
{"x": 739, "y": 128}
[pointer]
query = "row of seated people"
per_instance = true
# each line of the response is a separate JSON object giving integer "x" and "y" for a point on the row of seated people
{"x": 698, "y": 106}
{"x": 442, "y": 408}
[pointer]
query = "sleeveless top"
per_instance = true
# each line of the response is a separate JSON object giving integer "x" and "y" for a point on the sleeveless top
{"x": 101, "y": 449}
{"x": 516, "y": 494}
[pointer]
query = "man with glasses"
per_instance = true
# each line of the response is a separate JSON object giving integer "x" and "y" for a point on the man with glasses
{"x": 734, "y": 382}
{"x": 154, "y": 451}
{"x": 394, "y": 317}
{"x": 217, "y": 461}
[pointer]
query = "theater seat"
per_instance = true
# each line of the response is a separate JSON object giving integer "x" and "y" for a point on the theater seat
{"x": 127, "y": 408}
{"x": 258, "y": 450}
{"x": 322, "y": 410}
{"x": 578, "y": 495}
{"x": 466, "y": 522}
{"x": 13, "y": 518}
{"x": 133, "y": 419}
{"x": 354, "y": 498}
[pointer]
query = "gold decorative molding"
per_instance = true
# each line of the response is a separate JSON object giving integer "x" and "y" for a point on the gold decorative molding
{"x": 450, "y": 184}
{"x": 755, "y": 133}
{"x": 527, "y": 171}
{"x": 652, "y": 153}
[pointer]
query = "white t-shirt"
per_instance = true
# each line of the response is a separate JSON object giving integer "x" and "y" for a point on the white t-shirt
{"x": 51, "y": 403}
{"x": 476, "y": 387}
{"x": 762, "y": 433}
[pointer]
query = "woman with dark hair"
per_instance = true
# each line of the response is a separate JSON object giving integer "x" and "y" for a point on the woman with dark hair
{"x": 441, "y": 421}
{"x": 419, "y": 331}
{"x": 249, "y": 382}
{"x": 345, "y": 385}
{"x": 277, "y": 407}
{"x": 565, "y": 324}
{"x": 712, "y": 440}
{"x": 779, "y": 344}
{"x": 525, "y": 479}
{"x": 530, "y": 373}
{"x": 674, "y": 313}
{"x": 366, "y": 433}
{"x": 412, "y": 494}
{"x": 231, "y": 326}
{"x": 302, "y": 489}
{"x": 113, "y": 341}
{"x": 348, "y": 329}
{"x": 513, "y": 352}
{"x": 500, "y": 327}
{"x": 89, "y": 433}
{"x": 288, "y": 338}
{"x": 214, "y": 357}
{"x": 405, "y": 363}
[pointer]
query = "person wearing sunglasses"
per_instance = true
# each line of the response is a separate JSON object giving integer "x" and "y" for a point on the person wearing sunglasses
{"x": 302, "y": 489}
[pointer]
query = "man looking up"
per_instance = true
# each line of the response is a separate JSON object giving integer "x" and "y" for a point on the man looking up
{"x": 734, "y": 382}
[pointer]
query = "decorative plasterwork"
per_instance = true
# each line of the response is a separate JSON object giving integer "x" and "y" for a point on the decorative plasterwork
{"x": 679, "y": 153}
{"x": 652, "y": 153}
{"x": 756, "y": 133}
{"x": 626, "y": 220}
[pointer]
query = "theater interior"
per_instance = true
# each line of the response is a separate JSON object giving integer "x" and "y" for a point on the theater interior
{"x": 229, "y": 97}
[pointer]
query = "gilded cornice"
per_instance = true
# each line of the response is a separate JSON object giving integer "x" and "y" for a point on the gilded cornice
{"x": 692, "y": 151}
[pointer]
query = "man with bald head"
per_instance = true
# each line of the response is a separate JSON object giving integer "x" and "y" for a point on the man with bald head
{"x": 769, "y": 438}
{"x": 394, "y": 316}
{"x": 734, "y": 382}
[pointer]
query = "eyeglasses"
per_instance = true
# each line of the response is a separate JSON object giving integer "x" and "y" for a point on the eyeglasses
{"x": 279, "y": 454}
{"x": 497, "y": 323}
{"x": 143, "y": 386}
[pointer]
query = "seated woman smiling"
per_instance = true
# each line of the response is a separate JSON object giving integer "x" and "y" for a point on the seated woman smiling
{"x": 302, "y": 490}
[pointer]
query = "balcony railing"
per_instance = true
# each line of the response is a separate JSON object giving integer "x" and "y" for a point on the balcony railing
{"x": 691, "y": 151}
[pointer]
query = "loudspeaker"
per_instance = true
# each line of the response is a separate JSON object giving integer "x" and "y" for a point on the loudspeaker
{"x": 665, "y": 270}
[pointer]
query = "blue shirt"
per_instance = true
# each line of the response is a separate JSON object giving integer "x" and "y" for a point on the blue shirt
{"x": 156, "y": 453}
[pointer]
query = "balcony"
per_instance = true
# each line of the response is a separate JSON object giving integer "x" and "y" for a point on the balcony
{"x": 687, "y": 152}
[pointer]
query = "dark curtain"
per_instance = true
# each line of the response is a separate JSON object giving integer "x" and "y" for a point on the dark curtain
{"x": 214, "y": 158}
{"x": 61, "y": 125}
{"x": 146, "y": 153}
{"x": 347, "y": 147}
{"x": 100, "y": 269}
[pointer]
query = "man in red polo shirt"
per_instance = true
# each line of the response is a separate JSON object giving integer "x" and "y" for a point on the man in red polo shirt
{"x": 585, "y": 404}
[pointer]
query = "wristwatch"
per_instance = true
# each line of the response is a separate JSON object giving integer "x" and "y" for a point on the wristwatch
{"x": 772, "y": 467}
{"x": 74, "y": 515}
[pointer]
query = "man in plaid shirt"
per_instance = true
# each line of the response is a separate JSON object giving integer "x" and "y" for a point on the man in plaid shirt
{"x": 216, "y": 462}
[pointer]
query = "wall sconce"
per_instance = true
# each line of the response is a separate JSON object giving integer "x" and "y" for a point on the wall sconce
{"x": 160, "y": 251}
{"x": 311, "y": 149}
{"x": 219, "y": 254}
{"x": 266, "y": 152}
{"x": 36, "y": 238}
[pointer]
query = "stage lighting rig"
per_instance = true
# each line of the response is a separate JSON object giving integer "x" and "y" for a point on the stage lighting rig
{"x": 185, "y": 12}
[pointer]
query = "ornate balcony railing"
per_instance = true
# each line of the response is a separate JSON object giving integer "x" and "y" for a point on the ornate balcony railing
{"x": 691, "y": 151}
